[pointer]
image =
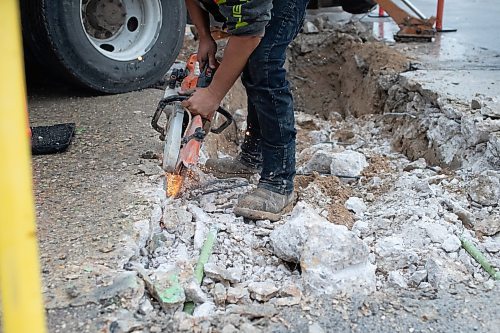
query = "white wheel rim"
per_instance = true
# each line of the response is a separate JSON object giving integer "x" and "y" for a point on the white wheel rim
{"x": 121, "y": 30}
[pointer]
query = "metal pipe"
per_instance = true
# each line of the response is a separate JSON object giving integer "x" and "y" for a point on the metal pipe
{"x": 20, "y": 290}
{"x": 414, "y": 9}
{"x": 439, "y": 15}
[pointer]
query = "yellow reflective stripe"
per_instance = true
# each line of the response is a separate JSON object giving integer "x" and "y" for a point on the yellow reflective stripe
{"x": 241, "y": 24}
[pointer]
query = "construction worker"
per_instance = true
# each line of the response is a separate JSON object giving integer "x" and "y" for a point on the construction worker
{"x": 260, "y": 32}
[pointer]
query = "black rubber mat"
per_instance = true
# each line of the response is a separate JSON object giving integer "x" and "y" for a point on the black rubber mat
{"x": 51, "y": 139}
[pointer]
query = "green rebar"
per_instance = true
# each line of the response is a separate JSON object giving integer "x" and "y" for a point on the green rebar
{"x": 206, "y": 251}
{"x": 480, "y": 258}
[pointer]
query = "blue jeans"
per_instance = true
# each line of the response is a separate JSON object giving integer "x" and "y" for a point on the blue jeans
{"x": 270, "y": 138}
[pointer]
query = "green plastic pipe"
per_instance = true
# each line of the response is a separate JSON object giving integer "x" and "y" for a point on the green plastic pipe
{"x": 480, "y": 258}
{"x": 205, "y": 253}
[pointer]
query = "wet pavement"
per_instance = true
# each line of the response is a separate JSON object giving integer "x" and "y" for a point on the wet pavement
{"x": 462, "y": 64}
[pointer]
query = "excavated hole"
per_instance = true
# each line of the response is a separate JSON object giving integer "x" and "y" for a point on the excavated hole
{"x": 333, "y": 76}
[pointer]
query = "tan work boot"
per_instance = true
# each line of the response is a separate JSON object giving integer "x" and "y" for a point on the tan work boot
{"x": 262, "y": 204}
{"x": 229, "y": 167}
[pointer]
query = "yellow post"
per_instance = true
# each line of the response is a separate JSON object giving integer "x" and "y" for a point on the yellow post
{"x": 22, "y": 307}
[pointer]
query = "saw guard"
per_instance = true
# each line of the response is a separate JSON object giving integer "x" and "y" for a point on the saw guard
{"x": 173, "y": 139}
{"x": 190, "y": 152}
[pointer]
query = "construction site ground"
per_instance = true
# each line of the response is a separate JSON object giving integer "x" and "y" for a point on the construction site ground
{"x": 374, "y": 250}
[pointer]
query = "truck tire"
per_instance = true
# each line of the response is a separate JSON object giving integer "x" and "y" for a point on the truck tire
{"x": 111, "y": 46}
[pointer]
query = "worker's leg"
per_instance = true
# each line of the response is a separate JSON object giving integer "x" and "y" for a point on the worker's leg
{"x": 268, "y": 91}
{"x": 249, "y": 162}
{"x": 251, "y": 152}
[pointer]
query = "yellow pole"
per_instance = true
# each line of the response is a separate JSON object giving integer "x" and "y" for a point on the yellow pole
{"x": 22, "y": 307}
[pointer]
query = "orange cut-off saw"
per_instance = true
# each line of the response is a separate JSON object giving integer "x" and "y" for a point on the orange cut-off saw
{"x": 183, "y": 132}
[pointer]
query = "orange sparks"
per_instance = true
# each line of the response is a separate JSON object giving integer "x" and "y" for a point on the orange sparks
{"x": 174, "y": 184}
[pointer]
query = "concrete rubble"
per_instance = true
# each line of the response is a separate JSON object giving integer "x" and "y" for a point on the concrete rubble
{"x": 404, "y": 207}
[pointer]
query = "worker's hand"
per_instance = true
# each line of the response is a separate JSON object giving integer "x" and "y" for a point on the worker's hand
{"x": 206, "y": 52}
{"x": 203, "y": 102}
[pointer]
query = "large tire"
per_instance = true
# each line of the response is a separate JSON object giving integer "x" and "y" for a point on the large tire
{"x": 76, "y": 41}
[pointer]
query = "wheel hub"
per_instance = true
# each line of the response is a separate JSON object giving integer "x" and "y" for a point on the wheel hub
{"x": 103, "y": 18}
{"x": 122, "y": 30}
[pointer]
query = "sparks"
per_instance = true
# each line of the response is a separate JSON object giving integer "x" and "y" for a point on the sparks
{"x": 174, "y": 184}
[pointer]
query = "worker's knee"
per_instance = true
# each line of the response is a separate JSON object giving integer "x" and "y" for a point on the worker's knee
{"x": 264, "y": 72}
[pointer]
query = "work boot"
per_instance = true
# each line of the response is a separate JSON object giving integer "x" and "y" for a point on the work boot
{"x": 229, "y": 167}
{"x": 263, "y": 204}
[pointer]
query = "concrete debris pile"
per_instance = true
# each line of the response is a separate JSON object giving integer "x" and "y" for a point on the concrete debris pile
{"x": 369, "y": 218}
{"x": 408, "y": 219}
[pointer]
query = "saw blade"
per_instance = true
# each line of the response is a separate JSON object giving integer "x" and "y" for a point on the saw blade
{"x": 173, "y": 139}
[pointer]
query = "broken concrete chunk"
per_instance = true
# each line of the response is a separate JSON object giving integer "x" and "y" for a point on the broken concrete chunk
{"x": 489, "y": 225}
{"x": 476, "y": 129}
{"x": 174, "y": 217}
{"x": 220, "y": 294}
{"x": 194, "y": 293}
{"x": 126, "y": 322}
{"x": 262, "y": 291}
{"x": 451, "y": 244}
{"x": 334, "y": 260}
{"x": 286, "y": 301}
{"x": 287, "y": 240}
{"x": 493, "y": 151}
{"x": 165, "y": 286}
{"x": 436, "y": 232}
{"x": 491, "y": 110}
{"x": 156, "y": 215}
{"x": 389, "y": 245}
{"x": 320, "y": 162}
{"x": 249, "y": 328}
{"x": 141, "y": 233}
{"x": 229, "y": 328}
{"x": 441, "y": 272}
{"x": 396, "y": 279}
{"x": 418, "y": 164}
{"x": 475, "y": 104}
{"x": 204, "y": 310}
{"x": 355, "y": 205}
{"x": 236, "y": 294}
{"x": 290, "y": 289}
{"x": 485, "y": 188}
{"x": 418, "y": 277}
{"x": 493, "y": 245}
{"x": 348, "y": 164}
{"x": 310, "y": 28}
{"x": 316, "y": 328}
{"x": 221, "y": 274}
{"x": 203, "y": 220}
{"x": 146, "y": 307}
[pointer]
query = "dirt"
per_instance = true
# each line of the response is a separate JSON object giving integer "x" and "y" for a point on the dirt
{"x": 342, "y": 73}
{"x": 339, "y": 193}
{"x": 377, "y": 165}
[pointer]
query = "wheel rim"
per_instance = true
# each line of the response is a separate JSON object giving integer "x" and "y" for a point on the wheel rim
{"x": 121, "y": 30}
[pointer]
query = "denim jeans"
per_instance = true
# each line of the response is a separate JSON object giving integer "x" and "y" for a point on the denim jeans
{"x": 270, "y": 138}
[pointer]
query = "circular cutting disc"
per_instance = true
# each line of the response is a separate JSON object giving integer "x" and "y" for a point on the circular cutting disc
{"x": 173, "y": 139}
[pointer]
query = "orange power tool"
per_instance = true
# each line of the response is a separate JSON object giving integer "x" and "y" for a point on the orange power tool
{"x": 184, "y": 133}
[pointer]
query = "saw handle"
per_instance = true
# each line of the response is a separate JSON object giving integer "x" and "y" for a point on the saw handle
{"x": 179, "y": 98}
{"x": 159, "y": 110}
{"x": 229, "y": 121}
